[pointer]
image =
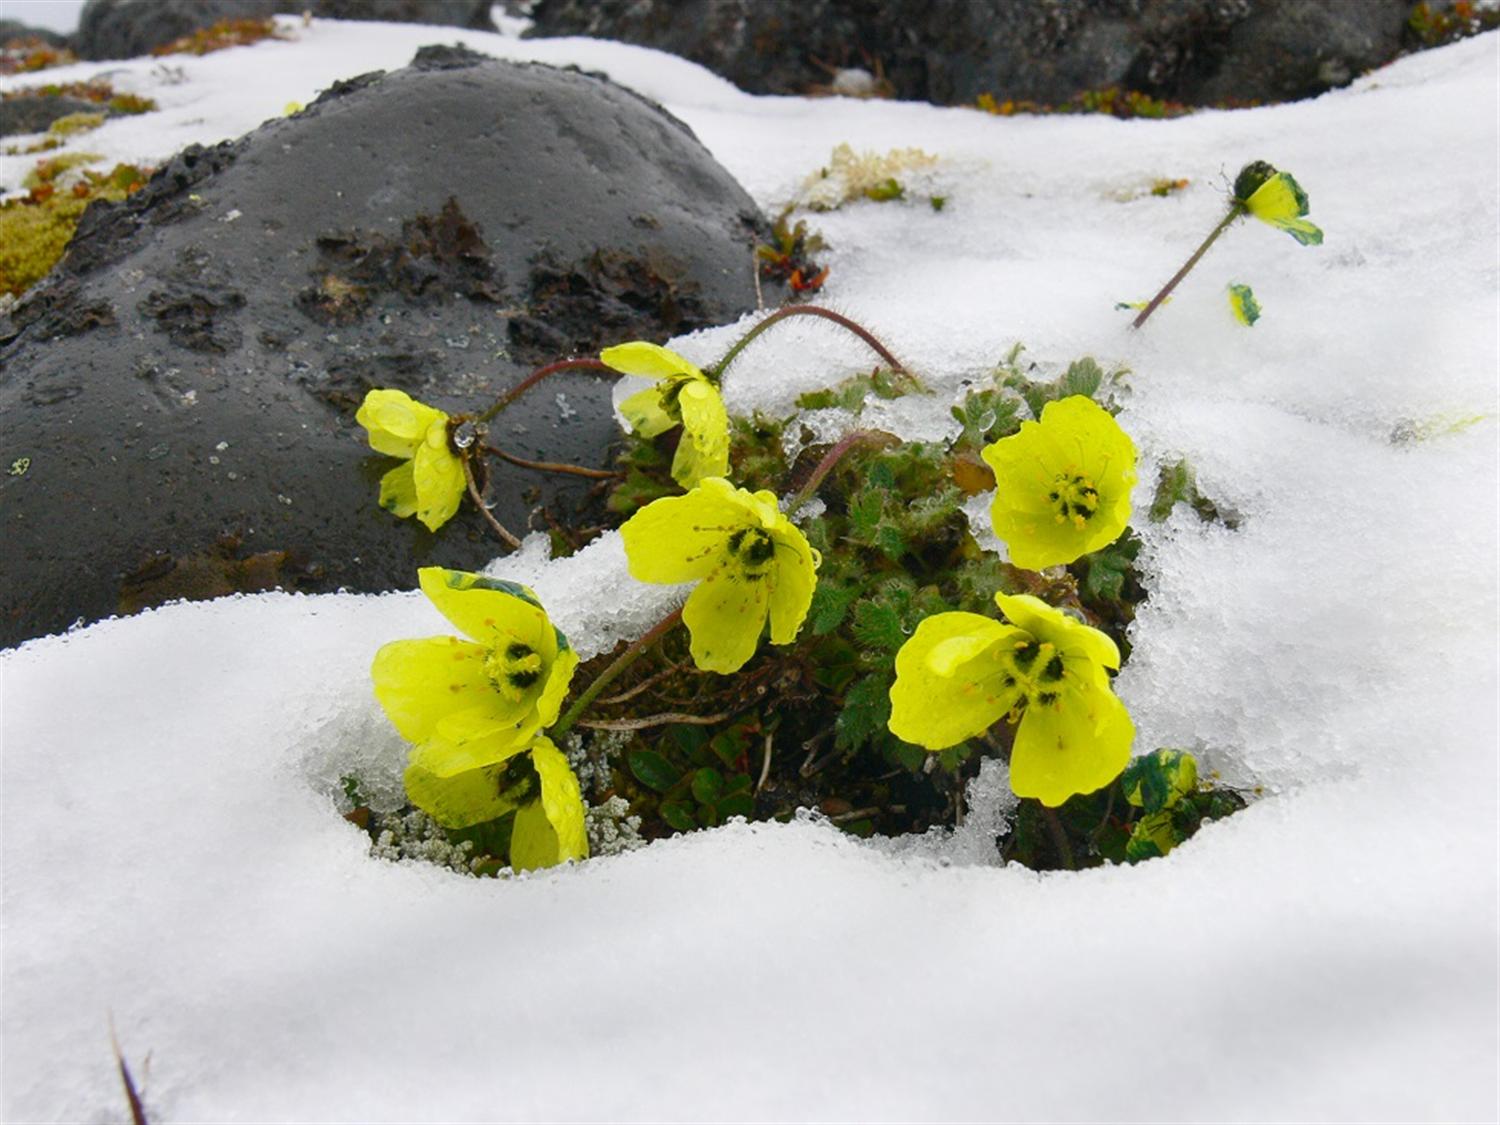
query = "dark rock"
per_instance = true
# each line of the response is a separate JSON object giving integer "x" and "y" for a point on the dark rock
{"x": 35, "y": 112}
{"x": 184, "y": 383}
{"x": 473, "y": 14}
{"x": 122, "y": 29}
{"x": 1193, "y": 51}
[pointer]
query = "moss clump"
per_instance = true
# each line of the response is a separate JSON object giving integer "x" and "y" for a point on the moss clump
{"x": 219, "y": 36}
{"x": 75, "y": 123}
{"x": 100, "y": 93}
{"x": 35, "y": 229}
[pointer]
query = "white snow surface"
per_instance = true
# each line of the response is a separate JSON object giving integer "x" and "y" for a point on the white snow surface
{"x": 174, "y": 859}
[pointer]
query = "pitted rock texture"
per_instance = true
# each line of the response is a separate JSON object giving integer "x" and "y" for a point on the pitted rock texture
{"x": 1193, "y": 51}
{"x": 181, "y": 390}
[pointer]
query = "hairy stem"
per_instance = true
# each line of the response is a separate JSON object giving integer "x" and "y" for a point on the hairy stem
{"x": 831, "y": 459}
{"x": 552, "y": 466}
{"x": 610, "y": 674}
{"x": 1235, "y": 211}
{"x": 717, "y": 370}
{"x": 495, "y": 525}
{"x": 510, "y": 396}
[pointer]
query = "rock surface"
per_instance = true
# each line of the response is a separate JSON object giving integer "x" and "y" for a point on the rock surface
{"x": 122, "y": 29}
{"x": 178, "y": 396}
{"x": 1193, "y": 51}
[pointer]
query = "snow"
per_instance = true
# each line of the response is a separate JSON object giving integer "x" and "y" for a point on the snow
{"x": 173, "y": 857}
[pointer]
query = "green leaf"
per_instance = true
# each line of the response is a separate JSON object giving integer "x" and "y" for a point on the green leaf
{"x": 678, "y": 815}
{"x": 1152, "y": 836}
{"x": 1174, "y": 485}
{"x": 830, "y": 605}
{"x": 865, "y": 513}
{"x": 878, "y": 625}
{"x": 736, "y": 804}
{"x": 1155, "y": 782}
{"x": 1105, "y": 571}
{"x": 867, "y": 708}
{"x": 652, "y": 770}
{"x": 708, "y": 785}
{"x": 1083, "y": 377}
{"x": 885, "y": 191}
{"x": 891, "y": 542}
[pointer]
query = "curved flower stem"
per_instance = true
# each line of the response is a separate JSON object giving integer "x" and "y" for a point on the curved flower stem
{"x": 1235, "y": 211}
{"x": 610, "y": 674}
{"x": 582, "y": 364}
{"x": 832, "y": 458}
{"x": 495, "y": 525}
{"x": 717, "y": 370}
{"x": 552, "y": 466}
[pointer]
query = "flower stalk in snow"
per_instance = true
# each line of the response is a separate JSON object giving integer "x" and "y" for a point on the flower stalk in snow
{"x": 1269, "y": 195}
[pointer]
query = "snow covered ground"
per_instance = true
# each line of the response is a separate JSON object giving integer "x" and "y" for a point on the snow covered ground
{"x": 173, "y": 857}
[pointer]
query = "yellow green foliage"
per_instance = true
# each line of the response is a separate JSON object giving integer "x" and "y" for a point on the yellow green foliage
{"x": 75, "y": 123}
{"x": 35, "y": 230}
{"x": 100, "y": 93}
{"x": 225, "y": 33}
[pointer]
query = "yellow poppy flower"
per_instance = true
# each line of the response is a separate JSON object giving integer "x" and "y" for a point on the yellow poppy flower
{"x": 430, "y": 484}
{"x": 960, "y": 673}
{"x": 682, "y": 395}
{"x": 1062, "y": 485}
{"x": 749, "y": 560}
{"x": 533, "y": 779}
{"x": 460, "y": 700}
{"x": 1243, "y": 305}
{"x": 1276, "y": 198}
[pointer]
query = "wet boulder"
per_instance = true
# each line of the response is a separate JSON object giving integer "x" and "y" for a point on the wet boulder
{"x": 177, "y": 399}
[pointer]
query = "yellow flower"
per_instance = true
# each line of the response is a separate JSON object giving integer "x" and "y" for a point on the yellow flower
{"x": 464, "y": 703}
{"x": 1276, "y": 198}
{"x": 1062, "y": 485}
{"x": 961, "y": 672}
{"x": 682, "y": 394}
{"x": 532, "y": 779}
{"x": 1243, "y": 305}
{"x": 749, "y": 560}
{"x": 431, "y": 482}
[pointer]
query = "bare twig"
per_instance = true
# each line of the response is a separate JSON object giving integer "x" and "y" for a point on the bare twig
{"x": 553, "y": 466}
{"x": 649, "y": 682}
{"x": 854, "y": 814}
{"x": 665, "y": 718}
{"x": 498, "y": 527}
{"x": 765, "y": 763}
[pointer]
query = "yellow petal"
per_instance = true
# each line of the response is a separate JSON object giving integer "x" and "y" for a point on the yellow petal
{"x": 681, "y": 538}
{"x": 704, "y": 448}
{"x": 396, "y": 422}
{"x": 1281, "y": 202}
{"x": 793, "y": 578}
{"x": 558, "y": 834}
{"x": 493, "y": 721}
{"x": 1075, "y": 745}
{"x": 949, "y": 683}
{"x": 438, "y": 475}
{"x": 1054, "y": 627}
{"x": 1076, "y": 444}
{"x": 559, "y": 676}
{"x": 650, "y": 361}
{"x": 490, "y": 610}
{"x": 724, "y": 616}
{"x": 420, "y": 682}
{"x": 462, "y": 799}
{"x": 644, "y": 413}
{"x": 398, "y": 491}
